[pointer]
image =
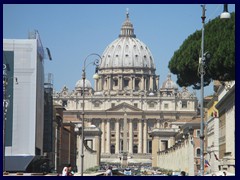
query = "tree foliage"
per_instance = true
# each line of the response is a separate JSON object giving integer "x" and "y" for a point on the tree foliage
{"x": 219, "y": 41}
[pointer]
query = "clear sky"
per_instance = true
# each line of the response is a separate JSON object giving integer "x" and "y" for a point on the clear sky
{"x": 73, "y": 31}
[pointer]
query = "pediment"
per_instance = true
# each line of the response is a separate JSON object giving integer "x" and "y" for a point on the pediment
{"x": 124, "y": 107}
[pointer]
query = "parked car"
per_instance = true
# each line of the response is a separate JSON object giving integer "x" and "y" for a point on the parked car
{"x": 127, "y": 172}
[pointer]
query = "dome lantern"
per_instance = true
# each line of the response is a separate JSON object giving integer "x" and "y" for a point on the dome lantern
{"x": 127, "y": 29}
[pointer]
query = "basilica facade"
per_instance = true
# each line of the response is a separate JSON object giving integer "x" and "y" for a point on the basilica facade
{"x": 127, "y": 101}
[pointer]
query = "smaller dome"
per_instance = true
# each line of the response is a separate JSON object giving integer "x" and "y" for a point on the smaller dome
{"x": 151, "y": 94}
{"x": 169, "y": 84}
{"x": 79, "y": 84}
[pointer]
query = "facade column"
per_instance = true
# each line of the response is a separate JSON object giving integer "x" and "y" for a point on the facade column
{"x": 125, "y": 148}
{"x": 125, "y": 139}
{"x": 157, "y": 81}
{"x": 142, "y": 83}
{"x": 133, "y": 83}
{"x": 100, "y": 82}
{"x": 160, "y": 144}
{"x": 171, "y": 141}
{"x": 130, "y": 136}
{"x": 151, "y": 83}
{"x": 140, "y": 136}
{"x": 190, "y": 157}
{"x": 145, "y": 136}
{"x": 103, "y": 136}
{"x": 117, "y": 137}
{"x": 130, "y": 83}
{"x": 155, "y": 148}
{"x": 158, "y": 123}
{"x": 110, "y": 82}
{"x": 108, "y": 143}
{"x": 145, "y": 83}
{"x": 105, "y": 83}
{"x": 96, "y": 84}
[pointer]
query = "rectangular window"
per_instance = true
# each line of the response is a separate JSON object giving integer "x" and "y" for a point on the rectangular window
{"x": 165, "y": 106}
{"x": 64, "y": 103}
{"x": 135, "y": 105}
{"x": 151, "y": 105}
{"x": 149, "y": 146}
{"x": 135, "y": 125}
{"x": 198, "y": 133}
{"x": 112, "y": 105}
{"x": 96, "y": 105}
{"x": 112, "y": 126}
{"x": 90, "y": 143}
{"x": 184, "y": 104}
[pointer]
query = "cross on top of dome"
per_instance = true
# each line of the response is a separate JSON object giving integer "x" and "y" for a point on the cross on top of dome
{"x": 127, "y": 13}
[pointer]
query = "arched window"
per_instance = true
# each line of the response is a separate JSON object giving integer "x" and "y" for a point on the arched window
{"x": 135, "y": 149}
{"x": 165, "y": 125}
{"x": 115, "y": 82}
{"x": 198, "y": 151}
{"x": 137, "y": 84}
{"x": 126, "y": 83}
{"x": 112, "y": 149}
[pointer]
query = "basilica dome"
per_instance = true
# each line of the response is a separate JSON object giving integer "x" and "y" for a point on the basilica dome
{"x": 127, "y": 51}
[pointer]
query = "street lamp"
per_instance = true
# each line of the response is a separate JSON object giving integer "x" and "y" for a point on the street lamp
{"x": 5, "y": 105}
{"x": 225, "y": 14}
{"x": 202, "y": 72}
{"x": 204, "y": 56}
{"x": 95, "y": 76}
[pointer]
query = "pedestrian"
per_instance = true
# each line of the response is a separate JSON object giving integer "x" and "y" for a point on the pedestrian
{"x": 109, "y": 171}
{"x": 67, "y": 170}
{"x": 183, "y": 173}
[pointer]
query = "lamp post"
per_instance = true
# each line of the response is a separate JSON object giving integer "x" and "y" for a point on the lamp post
{"x": 5, "y": 105}
{"x": 96, "y": 62}
{"x": 202, "y": 72}
{"x": 224, "y": 15}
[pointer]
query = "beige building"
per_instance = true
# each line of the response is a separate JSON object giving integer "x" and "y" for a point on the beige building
{"x": 226, "y": 110}
{"x": 212, "y": 136}
{"x": 127, "y": 102}
{"x": 177, "y": 148}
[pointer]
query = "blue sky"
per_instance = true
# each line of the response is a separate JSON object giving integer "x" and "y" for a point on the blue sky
{"x": 73, "y": 31}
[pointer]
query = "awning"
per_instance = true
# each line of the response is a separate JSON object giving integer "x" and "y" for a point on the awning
{"x": 25, "y": 163}
{"x": 17, "y": 163}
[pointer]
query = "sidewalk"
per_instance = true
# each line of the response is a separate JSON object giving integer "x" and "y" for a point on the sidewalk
{"x": 90, "y": 174}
